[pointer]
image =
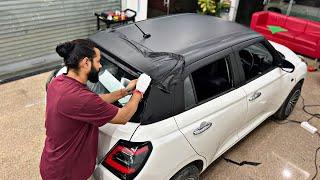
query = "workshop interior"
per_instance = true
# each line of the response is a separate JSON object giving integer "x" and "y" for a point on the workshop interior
{"x": 185, "y": 89}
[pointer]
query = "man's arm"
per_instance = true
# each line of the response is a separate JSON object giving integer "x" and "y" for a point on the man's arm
{"x": 114, "y": 96}
{"x": 126, "y": 112}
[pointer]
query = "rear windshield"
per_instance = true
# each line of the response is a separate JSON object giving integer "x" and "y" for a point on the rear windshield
{"x": 113, "y": 78}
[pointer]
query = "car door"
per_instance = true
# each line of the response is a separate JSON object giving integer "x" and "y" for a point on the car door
{"x": 214, "y": 106}
{"x": 261, "y": 81}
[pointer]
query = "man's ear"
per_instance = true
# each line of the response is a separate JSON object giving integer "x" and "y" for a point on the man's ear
{"x": 84, "y": 63}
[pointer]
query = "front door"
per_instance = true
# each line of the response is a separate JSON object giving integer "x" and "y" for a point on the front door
{"x": 214, "y": 109}
{"x": 166, "y": 7}
{"x": 262, "y": 82}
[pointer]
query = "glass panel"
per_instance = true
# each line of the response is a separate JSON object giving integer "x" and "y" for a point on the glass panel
{"x": 211, "y": 80}
{"x": 255, "y": 59}
{"x": 279, "y": 6}
{"x": 111, "y": 78}
{"x": 307, "y": 9}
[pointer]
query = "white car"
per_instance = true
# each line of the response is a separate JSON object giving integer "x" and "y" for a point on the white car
{"x": 213, "y": 82}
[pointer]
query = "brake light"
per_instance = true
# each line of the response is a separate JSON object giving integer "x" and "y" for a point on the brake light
{"x": 126, "y": 159}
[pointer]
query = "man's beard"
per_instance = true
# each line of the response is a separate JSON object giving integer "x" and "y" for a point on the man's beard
{"x": 93, "y": 75}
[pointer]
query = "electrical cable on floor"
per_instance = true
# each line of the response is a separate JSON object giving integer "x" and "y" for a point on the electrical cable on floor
{"x": 313, "y": 115}
{"x": 317, "y": 115}
{"x": 286, "y": 121}
{"x": 315, "y": 160}
{"x": 310, "y": 118}
{"x": 241, "y": 163}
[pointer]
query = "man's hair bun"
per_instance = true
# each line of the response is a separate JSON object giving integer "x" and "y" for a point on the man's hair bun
{"x": 64, "y": 50}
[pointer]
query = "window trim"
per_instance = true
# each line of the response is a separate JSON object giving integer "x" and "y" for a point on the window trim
{"x": 193, "y": 90}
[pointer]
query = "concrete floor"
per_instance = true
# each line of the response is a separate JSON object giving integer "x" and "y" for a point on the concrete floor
{"x": 285, "y": 151}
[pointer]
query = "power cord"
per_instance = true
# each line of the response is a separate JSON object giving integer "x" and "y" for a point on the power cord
{"x": 304, "y": 108}
{"x": 313, "y": 115}
{"x": 286, "y": 121}
{"x": 315, "y": 160}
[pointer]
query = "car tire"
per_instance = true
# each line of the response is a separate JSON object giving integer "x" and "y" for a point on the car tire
{"x": 287, "y": 107}
{"x": 190, "y": 172}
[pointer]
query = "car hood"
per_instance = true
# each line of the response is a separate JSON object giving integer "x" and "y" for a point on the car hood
{"x": 289, "y": 54}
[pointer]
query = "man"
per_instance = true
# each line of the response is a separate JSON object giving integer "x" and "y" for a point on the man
{"x": 74, "y": 113}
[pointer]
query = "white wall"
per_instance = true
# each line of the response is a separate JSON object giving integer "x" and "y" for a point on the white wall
{"x": 233, "y": 10}
{"x": 140, "y": 6}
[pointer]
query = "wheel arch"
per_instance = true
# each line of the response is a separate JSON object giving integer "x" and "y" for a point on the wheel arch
{"x": 198, "y": 163}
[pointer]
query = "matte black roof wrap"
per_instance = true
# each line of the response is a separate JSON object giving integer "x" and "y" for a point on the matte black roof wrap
{"x": 175, "y": 42}
{"x": 165, "y": 68}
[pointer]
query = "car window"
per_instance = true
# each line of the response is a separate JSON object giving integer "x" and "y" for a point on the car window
{"x": 110, "y": 79}
{"x": 212, "y": 80}
{"x": 256, "y": 60}
{"x": 189, "y": 97}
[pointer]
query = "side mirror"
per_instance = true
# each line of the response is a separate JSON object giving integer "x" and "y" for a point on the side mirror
{"x": 286, "y": 66}
{"x": 281, "y": 55}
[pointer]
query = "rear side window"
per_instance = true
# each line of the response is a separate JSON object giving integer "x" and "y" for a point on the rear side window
{"x": 208, "y": 82}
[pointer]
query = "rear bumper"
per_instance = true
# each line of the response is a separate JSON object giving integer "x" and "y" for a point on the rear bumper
{"x": 102, "y": 173}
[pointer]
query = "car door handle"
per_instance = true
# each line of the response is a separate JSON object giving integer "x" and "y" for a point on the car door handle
{"x": 203, "y": 127}
{"x": 255, "y": 96}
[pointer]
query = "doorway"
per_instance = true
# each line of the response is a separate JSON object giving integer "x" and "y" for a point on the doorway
{"x": 246, "y": 8}
{"x": 166, "y": 7}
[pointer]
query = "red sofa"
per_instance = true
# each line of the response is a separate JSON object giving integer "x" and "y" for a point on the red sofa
{"x": 303, "y": 36}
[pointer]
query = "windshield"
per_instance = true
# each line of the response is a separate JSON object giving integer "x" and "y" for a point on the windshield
{"x": 111, "y": 78}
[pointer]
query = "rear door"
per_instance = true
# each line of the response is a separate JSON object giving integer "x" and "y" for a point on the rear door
{"x": 214, "y": 106}
{"x": 261, "y": 81}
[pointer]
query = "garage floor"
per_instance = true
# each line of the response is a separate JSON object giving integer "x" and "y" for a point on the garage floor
{"x": 285, "y": 151}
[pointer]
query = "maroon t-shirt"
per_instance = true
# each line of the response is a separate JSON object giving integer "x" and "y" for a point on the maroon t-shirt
{"x": 73, "y": 115}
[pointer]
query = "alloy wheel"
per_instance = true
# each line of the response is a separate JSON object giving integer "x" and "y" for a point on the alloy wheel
{"x": 292, "y": 102}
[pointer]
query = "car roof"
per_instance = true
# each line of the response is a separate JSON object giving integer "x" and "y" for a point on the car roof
{"x": 182, "y": 34}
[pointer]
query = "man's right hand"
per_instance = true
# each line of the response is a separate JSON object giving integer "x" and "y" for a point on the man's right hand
{"x": 126, "y": 112}
{"x": 143, "y": 83}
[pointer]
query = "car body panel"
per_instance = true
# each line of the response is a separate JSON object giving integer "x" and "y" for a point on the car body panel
{"x": 224, "y": 113}
{"x": 110, "y": 134}
{"x": 289, "y": 80}
{"x": 170, "y": 135}
{"x": 168, "y": 143}
{"x": 267, "y": 103}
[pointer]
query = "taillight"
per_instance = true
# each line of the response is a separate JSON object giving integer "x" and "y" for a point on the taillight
{"x": 126, "y": 159}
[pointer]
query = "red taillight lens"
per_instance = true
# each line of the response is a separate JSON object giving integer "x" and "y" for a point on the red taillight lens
{"x": 126, "y": 159}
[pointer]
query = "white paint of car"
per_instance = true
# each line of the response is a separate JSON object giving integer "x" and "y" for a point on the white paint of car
{"x": 62, "y": 71}
{"x": 175, "y": 146}
{"x": 168, "y": 143}
{"x": 109, "y": 135}
{"x": 223, "y": 130}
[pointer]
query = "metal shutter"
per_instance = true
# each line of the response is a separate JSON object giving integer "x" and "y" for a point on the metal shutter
{"x": 33, "y": 28}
